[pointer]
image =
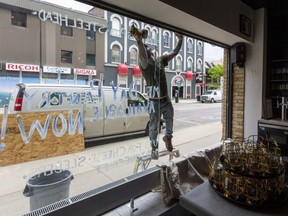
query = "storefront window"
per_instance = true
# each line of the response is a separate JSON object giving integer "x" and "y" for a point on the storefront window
{"x": 63, "y": 99}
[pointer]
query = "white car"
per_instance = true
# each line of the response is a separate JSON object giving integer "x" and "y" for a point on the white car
{"x": 211, "y": 96}
{"x": 102, "y": 112}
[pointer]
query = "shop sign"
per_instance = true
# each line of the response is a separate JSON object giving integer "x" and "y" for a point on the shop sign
{"x": 22, "y": 67}
{"x": 61, "y": 70}
{"x": 63, "y": 20}
{"x": 80, "y": 71}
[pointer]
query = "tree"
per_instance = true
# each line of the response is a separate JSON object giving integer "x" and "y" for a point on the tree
{"x": 213, "y": 76}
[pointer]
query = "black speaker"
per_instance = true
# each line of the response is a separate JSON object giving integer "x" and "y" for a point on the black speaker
{"x": 238, "y": 54}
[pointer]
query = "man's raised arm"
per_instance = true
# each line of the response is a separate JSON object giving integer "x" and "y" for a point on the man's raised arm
{"x": 142, "y": 51}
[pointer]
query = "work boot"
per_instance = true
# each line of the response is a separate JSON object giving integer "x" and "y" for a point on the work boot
{"x": 154, "y": 152}
{"x": 168, "y": 143}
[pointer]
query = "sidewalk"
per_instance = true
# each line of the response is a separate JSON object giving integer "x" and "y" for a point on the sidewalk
{"x": 186, "y": 100}
{"x": 98, "y": 165}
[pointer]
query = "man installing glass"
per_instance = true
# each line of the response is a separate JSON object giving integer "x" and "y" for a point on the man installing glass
{"x": 153, "y": 70}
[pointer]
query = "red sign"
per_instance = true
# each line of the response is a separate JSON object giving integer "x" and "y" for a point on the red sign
{"x": 189, "y": 75}
{"x": 79, "y": 71}
{"x": 22, "y": 67}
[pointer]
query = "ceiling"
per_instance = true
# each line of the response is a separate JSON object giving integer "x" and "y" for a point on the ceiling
{"x": 171, "y": 18}
{"x": 256, "y": 4}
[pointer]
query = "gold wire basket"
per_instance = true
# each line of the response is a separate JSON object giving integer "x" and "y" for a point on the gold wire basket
{"x": 250, "y": 172}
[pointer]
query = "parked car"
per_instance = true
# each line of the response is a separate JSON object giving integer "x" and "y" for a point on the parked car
{"x": 113, "y": 112}
{"x": 211, "y": 96}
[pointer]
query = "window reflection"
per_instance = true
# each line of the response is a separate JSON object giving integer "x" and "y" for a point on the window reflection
{"x": 91, "y": 48}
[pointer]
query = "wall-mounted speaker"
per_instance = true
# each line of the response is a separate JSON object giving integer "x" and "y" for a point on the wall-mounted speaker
{"x": 238, "y": 54}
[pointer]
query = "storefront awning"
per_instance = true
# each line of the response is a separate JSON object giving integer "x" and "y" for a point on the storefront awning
{"x": 122, "y": 69}
{"x": 189, "y": 75}
{"x": 136, "y": 71}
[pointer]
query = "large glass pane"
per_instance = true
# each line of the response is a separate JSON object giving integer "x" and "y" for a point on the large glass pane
{"x": 85, "y": 104}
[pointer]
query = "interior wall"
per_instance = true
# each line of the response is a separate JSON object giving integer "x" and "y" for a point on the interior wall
{"x": 254, "y": 68}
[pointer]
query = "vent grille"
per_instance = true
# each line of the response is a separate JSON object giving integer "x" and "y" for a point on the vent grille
{"x": 49, "y": 208}
{"x": 95, "y": 191}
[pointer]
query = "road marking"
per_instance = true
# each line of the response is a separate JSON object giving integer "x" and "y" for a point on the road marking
{"x": 190, "y": 122}
{"x": 211, "y": 117}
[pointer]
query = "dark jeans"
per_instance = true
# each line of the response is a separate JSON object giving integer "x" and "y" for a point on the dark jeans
{"x": 162, "y": 107}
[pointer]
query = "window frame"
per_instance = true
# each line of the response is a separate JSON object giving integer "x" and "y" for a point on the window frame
{"x": 93, "y": 58}
{"x": 90, "y": 35}
{"x": 166, "y": 40}
{"x": 190, "y": 45}
{"x": 63, "y": 56}
{"x": 113, "y": 56}
{"x": 178, "y": 66}
{"x": 115, "y": 27}
{"x": 189, "y": 60}
{"x": 67, "y": 30}
{"x": 200, "y": 48}
{"x": 133, "y": 61}
{"x": 19, "y": 19}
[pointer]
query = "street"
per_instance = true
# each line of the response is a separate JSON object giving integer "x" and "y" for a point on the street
{"x": 191, "y": 114}
{"x": 187, "y": 113}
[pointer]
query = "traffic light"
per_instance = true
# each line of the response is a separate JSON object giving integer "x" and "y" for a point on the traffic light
{"x": 238, "y": 54}
{"x": 198, "y": 77}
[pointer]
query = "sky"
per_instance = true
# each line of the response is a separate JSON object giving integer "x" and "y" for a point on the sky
{"x": 211, "y": 53}
{"x": 71, "y": 4}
